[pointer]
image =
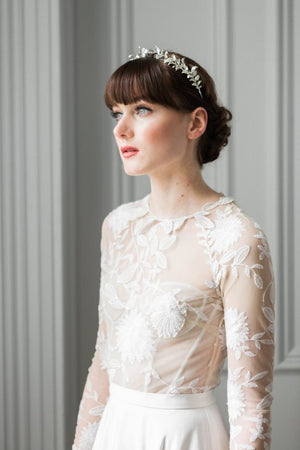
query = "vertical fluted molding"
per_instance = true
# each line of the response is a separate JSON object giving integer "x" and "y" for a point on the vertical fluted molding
{"x": 222, "y": 176}
{"x": 67, "y": 319}
{"x": 289, "y": 343}
{"x": 32, "y": 344}
{"x": 7, "y": 309}
{"x": 121, "y": 44}
{"x": 280, "y": 188}
{"x": 273, "y": 149}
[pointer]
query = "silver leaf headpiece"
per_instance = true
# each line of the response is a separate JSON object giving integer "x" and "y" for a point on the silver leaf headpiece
{"x": 173, "y": 61}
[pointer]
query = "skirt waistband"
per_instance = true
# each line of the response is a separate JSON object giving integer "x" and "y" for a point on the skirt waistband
{"x": 161, "y": 401}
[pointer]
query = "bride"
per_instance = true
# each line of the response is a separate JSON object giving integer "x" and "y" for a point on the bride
{"x": 186, "y": 279}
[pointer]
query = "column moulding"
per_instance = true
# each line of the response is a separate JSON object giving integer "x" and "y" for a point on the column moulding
{"x": 289, "y": 357}
{"x": 32, "y": 299}
{"x": 222, "y": 64}
{"x": 121, "y": 44}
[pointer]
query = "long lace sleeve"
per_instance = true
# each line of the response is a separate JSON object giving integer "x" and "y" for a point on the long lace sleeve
{"x": 97, "y": 386}
{"x": 245, "y": 271}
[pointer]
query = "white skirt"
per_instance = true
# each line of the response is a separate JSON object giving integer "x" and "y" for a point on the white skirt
{"x": 134, "y": 420}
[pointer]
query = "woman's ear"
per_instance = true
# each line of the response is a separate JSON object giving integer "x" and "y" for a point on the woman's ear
{"x": 198, "y": 123}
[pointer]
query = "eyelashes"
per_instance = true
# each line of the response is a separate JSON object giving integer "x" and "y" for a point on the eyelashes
{"x": 115, "y": 115}
{"x": 138, "y": 110}
{"x": 143, "y": 109}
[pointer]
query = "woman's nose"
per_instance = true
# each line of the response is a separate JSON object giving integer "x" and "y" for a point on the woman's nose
{"x": 123, "y": 128}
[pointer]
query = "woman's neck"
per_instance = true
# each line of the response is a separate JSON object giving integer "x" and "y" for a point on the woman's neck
{"x": 181, "y": 195}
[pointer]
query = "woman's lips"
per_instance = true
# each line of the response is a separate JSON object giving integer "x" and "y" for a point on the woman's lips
{"x": 128, "y": 151}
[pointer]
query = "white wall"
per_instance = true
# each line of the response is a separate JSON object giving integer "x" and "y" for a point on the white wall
{"x": 60, "y": 175}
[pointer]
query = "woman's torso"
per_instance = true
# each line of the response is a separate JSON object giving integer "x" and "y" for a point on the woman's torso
{"x": 161, "y": 296}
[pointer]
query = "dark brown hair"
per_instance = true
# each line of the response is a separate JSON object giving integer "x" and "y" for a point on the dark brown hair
{"x": 152, "y": 80}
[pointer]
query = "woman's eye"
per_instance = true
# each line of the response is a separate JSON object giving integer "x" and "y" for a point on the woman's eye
{"x": 142, "y": 110}
{"x": 116, "y": 115}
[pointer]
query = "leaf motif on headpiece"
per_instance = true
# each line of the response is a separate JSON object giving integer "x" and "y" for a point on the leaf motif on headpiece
{"x": 173, "y": 61}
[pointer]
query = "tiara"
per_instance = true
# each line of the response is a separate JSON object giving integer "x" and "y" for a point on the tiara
{"x": 173, "y": 61}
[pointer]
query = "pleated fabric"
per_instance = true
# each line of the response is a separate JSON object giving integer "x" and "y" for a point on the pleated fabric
{"x": 134, "y": 420}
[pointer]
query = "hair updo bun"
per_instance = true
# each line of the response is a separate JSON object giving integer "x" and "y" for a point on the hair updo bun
{"x": 218, "y": 130}
{"x": 152, "y": 80}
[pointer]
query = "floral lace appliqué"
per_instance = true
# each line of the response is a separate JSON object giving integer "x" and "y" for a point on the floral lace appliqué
{"x": 134, "y": 338}
{"x": 226, "y": 232}
{"x": 237, "y": 332}
{"x": 88, "y": 436}
{"x": 167, "y": 316}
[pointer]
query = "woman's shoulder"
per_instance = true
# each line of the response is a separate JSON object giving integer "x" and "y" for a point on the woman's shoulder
{"x": 249, "y": 224}
{"x": 227, "y": 210}
{"x": 226, "y": 226}
{"x": 119, "y": 218}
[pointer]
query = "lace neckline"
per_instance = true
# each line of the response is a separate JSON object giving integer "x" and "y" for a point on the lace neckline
{"x": 206, "y": 207}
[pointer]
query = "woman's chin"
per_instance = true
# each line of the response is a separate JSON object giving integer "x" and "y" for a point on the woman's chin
{"x": 133, "y": 172}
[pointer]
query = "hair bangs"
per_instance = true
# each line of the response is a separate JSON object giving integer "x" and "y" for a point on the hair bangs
{"x": 142, "y": 79}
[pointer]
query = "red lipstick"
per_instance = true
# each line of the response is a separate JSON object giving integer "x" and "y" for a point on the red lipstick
{"x": 128, "y": 151}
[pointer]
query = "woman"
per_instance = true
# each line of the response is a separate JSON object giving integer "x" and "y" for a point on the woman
{"x": 186, "y": 279}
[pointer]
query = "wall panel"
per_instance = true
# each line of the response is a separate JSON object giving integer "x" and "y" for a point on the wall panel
{"x": 32, "y": 368}
{"x": 289, "y": 335}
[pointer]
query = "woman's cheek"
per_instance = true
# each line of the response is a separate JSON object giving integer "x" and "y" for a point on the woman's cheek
{"x": 158, "y": 133}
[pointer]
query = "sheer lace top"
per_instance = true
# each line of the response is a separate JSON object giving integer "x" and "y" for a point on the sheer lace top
{"x": 176, "y": 297}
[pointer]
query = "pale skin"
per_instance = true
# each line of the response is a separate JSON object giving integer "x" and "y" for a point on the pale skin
{"x": 161, "y": 142}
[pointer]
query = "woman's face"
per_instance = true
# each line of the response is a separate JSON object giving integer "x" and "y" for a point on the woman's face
{"x": 152, "y": 139}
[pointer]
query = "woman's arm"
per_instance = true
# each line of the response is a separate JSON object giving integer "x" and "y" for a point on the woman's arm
{"x": 97, "y": 385}
{"x": 248, "y": 295}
